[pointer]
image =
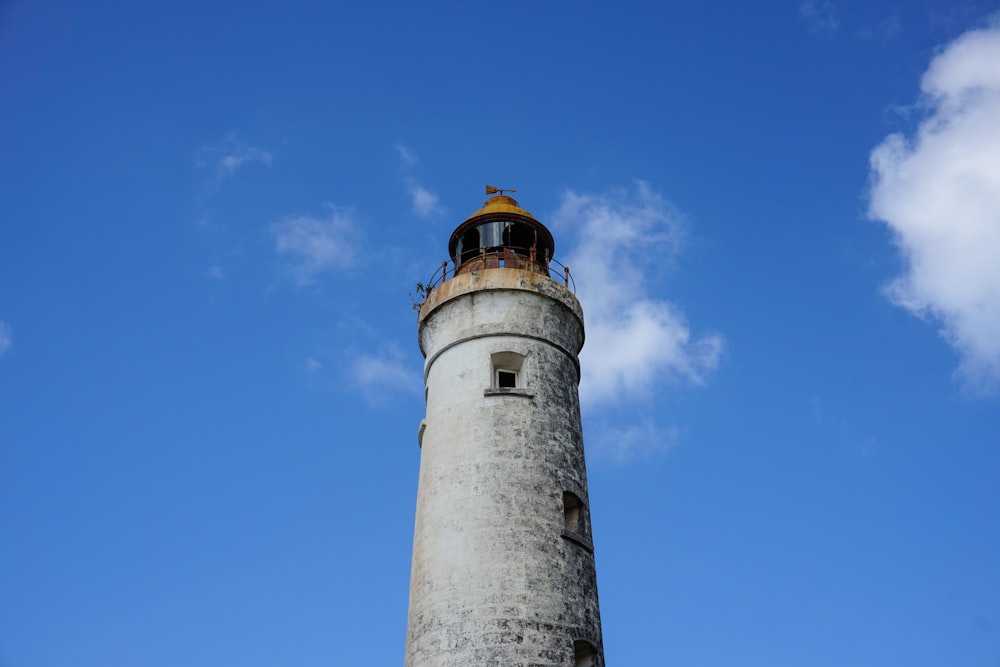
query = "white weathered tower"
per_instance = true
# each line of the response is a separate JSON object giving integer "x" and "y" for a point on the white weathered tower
{"x": 503, "y": 564}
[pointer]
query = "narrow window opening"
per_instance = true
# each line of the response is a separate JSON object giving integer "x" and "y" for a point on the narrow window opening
{"x": 572, "y": 511}
{"x": 584, "y": 654}
{"x": 576, "y": 524}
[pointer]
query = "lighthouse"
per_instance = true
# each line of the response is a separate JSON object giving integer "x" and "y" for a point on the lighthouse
{"x": 503, "y": 567}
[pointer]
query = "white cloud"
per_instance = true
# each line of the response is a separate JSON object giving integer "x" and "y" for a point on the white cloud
{"x": 217, "y": 272}
{"x": 634, "y": 341}
{"x": 939, "y": 193}
{"x": 820, "y": 16}
{"x": 6, "y": 338}
{"x": 424, "y": 202}
{"x": 385, "y": 373}
{"x": 312, "y": 365}
{"x": 317, "y": 245}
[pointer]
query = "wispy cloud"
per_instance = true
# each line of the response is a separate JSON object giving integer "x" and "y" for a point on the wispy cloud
{"x": 886, "y": 29}
{"x": 642, "y": 440}
{"x": 407, "y": 156}
{"x": 939, "y": 193}
{"x": 830, "y": 424}
{"x": 6, "y": 338}
{"x": 425, "y": 203}
{"x": 634, "y": 341}
{"x": 228, "y": 156}
{"x": 312, "y": 365}
{"x": 218, "y": 164}
{"x": 242, "y": 154}
{"x": 383, "y": 374}
{"x": 314, "y": 245}
{"x": 820, "y": 16}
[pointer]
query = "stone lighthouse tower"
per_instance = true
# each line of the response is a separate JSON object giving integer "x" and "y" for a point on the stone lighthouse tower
{"x": 503, "y": 563}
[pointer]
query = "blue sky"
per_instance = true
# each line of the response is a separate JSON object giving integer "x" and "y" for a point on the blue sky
{"x": 783, "y": 223}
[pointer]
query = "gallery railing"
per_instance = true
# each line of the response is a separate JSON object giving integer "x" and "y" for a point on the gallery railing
{"x": 504, "y": 257}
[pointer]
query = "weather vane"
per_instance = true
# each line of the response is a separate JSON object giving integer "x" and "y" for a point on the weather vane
{"x": 491, "y": 190}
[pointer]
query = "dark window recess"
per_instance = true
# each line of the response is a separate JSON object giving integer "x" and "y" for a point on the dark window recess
{"x": 572, "y": 511}
{"x": 575, "y": 523}
{"x": 585, "y": 654}
{"x": 506, "y": 379}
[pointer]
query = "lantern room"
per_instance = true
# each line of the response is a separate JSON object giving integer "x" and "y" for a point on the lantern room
{"x": 501, "y": 235}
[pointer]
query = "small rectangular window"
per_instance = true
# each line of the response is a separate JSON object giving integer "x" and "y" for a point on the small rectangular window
{"x": 508, "y": 370}
{"x": 506, "y": 378}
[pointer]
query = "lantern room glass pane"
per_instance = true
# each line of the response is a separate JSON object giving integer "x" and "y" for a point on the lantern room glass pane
{"x": 493, "y": 234}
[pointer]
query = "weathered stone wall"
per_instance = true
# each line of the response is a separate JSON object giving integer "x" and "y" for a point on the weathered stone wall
{"x": 496, "y": 580}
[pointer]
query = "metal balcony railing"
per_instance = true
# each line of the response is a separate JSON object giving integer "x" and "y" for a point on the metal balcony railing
{"x": 502, "y": 258}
